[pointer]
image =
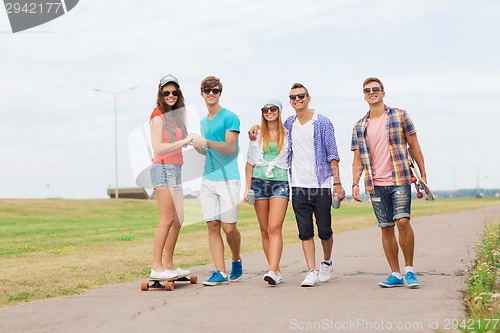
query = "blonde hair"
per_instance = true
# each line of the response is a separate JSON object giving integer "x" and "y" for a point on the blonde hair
{"x": 265, "y": 137}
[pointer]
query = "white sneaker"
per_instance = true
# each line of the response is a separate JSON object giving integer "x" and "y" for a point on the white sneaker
{"x": 165, "y": 275}
{"x": 325, "y": 271}
{"x": 180, "y": 272}
{"x": 273, "y": 278}
{"x": 311, "y": 279}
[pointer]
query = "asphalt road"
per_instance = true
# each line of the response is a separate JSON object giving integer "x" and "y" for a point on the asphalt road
{"x": 350, "y": 302}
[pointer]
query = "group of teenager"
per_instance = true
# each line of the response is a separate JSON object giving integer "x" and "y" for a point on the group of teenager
{"x": 296, "y": 158}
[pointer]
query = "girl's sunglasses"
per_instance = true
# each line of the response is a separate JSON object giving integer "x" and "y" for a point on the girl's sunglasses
{"x": 273, "y": 109}
{"x": 167, "y": 93}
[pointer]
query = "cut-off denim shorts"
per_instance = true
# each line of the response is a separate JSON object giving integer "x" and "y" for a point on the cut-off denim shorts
{"x": 269, "y": 189}
{"x": 391, "y": 203}
{"x": 166, "y": 175}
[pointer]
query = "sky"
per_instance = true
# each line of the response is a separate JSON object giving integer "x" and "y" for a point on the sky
{"x": 439, "y": 60}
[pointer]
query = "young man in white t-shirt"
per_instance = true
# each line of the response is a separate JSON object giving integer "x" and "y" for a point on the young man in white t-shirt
{"x": 313, "y": 162}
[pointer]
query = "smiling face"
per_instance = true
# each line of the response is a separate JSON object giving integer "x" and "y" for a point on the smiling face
{"x": 373, "y": 93}
{"x": 211, "y": 95}
{"x": 299, "y": 98}
{"x": 270, "y": 112}
{"x": 172, "y": 93}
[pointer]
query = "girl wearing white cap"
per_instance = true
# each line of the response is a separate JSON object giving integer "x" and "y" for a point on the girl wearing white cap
{"x": 267, "y": 176}
{"x": 168, "y": 136}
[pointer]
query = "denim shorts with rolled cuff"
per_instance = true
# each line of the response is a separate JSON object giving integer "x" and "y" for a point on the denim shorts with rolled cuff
{"x": 391, "y": 203}
{"x": 309, "y": 201}
{"x": 166, "y": 175}
{"x": 269, "y": 189}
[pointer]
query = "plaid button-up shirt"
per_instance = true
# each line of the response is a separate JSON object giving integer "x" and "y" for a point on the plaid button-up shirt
{"x": 325, "y": 146}
{"x": 398, "y": 125}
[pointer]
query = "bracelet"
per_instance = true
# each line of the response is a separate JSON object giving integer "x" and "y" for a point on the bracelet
{"x": 208, "y": 144}
{"x": 353, "y": 185}
{"x": 337, "y": 184}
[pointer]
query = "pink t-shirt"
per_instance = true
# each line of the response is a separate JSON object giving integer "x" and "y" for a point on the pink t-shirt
{"x": 380, "y": 155}
{"x": 174, "y": 156}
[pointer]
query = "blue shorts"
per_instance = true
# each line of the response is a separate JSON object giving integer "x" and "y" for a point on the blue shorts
{"x": 166, "y": 175}
{"x": 269, "y": 189}
{"x": 309, "y": 201}
{"x": 391, "y": 203}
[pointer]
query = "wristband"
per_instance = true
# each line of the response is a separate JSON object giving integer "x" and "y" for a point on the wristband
{"x": 337, "y": 184}
{"x": 354, "y": 185}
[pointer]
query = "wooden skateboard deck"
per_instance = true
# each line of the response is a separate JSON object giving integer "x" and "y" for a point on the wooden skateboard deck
{"x": 167, "y": 284}
{"x": 417, "y": 180}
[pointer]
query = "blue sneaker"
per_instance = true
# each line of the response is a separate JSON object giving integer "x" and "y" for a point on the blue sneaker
{"x": 236, "y": 271}
{"x": 215, "y": 279}
{"x": 411, "y": 280}
{"x": 391, "y": 282}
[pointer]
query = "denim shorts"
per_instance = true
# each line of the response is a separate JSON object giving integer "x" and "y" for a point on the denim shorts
{"x": 166, "y": 175}
{"x": 309, "y": 201}
{"x": 391, "y": 203}
{"x": 269, "y": 189}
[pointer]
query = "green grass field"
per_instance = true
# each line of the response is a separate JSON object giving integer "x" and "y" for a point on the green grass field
{"x": 51, "y": 248}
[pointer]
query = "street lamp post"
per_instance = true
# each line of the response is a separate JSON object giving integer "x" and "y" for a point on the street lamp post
{"x": 115, "y": 94}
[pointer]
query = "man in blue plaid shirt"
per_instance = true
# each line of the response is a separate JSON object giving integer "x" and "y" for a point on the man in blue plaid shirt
{"x": 313, "y": 161}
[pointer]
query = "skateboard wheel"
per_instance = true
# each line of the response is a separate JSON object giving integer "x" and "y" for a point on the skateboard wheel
{"x": 145, "y": 286}
{"x": 193, "y": 279}
{"x": 420, "y": 195}
{"x": 413, "y": 179}
{"x": 169, "y": 285}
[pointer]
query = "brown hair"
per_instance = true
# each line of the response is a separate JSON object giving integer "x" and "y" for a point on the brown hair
{"x": 175, "y": 115}
{"x": 373, "y": 79}
{"x": 300, "y": 85}
{"x": 265, "y": 136}
{"x": 211, "y": 82}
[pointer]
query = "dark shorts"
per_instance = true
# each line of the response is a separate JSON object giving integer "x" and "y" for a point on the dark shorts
{"x": 269, "y": 189}
{"x": 390, "y": 203}
{"x": 309, "y": 201}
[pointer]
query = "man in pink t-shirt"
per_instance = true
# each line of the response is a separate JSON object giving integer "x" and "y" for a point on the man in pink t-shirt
{"x": 379, "y": 142}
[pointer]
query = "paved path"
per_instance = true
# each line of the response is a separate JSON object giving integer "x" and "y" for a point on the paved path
{"x": 351, "y": 302}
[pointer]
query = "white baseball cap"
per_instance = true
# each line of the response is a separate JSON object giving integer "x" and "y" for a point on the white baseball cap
{"x": 167, "y": 79}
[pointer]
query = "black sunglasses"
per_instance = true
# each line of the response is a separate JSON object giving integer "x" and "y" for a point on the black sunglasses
{"x": 300, "y": 96}
{"x": 273, "y": 109}
{"x": 207, "y": 91}
{"x": 167, "y": 93}
{"x": 374, "y": 90}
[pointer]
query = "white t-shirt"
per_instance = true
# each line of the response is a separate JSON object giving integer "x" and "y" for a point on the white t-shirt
{"x": 304, "y": 158}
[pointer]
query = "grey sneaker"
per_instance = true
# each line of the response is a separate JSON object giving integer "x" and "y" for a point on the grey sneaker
{"x": 311, "y": 280}
{"x": 180, "y": 272}
{"x": 325, "y": 271}
{"x": 165, "y": 275}
{"x": 273, "y": 278}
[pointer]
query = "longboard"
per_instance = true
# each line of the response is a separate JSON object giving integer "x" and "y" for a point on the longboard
{"x": 167, "y": 284}
{"x": 416, "y": 179}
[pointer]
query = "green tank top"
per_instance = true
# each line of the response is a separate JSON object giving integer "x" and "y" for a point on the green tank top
{"x": 279, "y": 173}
